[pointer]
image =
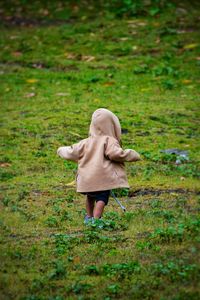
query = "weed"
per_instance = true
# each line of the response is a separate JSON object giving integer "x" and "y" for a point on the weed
{"x": 141, "y": 69}
{"x": 6, "y": 200}
{"x": 64, "y": 242}
{"x": 90, "y": 270}
{"x": 22, "y": 194}
{"x": 113, "y": 288}
{"x": 168, "y": 84}
{"x": 4, "y": 175}
{"x": 190, "y": 227}
{"x": 79, "y": 287}
{"x": 156, "y": 203}
{"x": 51, "y": 221}
{"x": 59, "y": 270}
{"x": 175, "y": 270}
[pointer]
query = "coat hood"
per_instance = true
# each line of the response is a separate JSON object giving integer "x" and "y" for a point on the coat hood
{"x": 104, "y": 122}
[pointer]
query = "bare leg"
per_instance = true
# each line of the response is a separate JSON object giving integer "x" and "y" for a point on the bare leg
{"x": 98, "y": 210}
{"x": 89, "y": 206}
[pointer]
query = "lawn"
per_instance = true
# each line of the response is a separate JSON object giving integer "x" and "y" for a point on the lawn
{"x": 60, "y": 61}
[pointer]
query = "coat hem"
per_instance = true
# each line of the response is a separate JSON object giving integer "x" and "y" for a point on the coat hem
{"x": 92, "y": 189}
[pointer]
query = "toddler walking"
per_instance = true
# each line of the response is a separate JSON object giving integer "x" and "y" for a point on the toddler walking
{"x": 100, "y": 161}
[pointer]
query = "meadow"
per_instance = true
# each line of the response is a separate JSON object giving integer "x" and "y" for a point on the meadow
{"x": 60, "y": 61}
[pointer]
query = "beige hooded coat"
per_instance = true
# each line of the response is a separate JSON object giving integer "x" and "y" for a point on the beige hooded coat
{"x": 100, "y": 157}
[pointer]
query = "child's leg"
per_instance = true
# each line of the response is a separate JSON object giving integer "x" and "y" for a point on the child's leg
{"x": 89, "y": 206}
{"x": 99, "y": 208}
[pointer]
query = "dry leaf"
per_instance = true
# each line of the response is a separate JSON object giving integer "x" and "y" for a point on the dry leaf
{"x": 13, "y": 37}
{"x": 87, "y": 58}
{"x": 16, "y": 53}
{"x": 5, "y": 165}
{"x": 71, "y": 184}
{"x": 62, "y": 94}
{"x": 190, "y": 46}
{"x": 71, "y": 55}
{"x": 31, "y": 80}
{"x": 186, "y": 81}
{"x": 76, "y": 259}
{"x": 131, "y": 21}
{"x": 30, "y": 95}
{"x": 109, "y": 83}
{"x": 124, "y": 39}
{"x": 132, "y": 25}
{"x": 45, "y": 12}
{"x": 158, "y": 41}
{"x": 142, "y": 23}
{"x": 156, "y": 24}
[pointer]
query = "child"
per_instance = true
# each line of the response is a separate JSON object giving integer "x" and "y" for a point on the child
{"x": 100, "y": 161}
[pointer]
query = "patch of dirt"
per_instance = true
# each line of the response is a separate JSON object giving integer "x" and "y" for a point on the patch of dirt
{"x": 158, "y": 192}
{"x": 28, "y": 22}
{"x": 39, "y": 65}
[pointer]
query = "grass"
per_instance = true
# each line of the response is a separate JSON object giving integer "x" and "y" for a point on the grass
{"x": 60, "y": 62}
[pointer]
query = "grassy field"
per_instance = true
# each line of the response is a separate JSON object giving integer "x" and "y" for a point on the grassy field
{"x": 60, "y": 61}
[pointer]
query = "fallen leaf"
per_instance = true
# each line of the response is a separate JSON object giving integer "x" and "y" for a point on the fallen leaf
{"x": 62, "y": 94}
{"x": 131, "y": 21}
{"x": 16, "y": 53}
{"x": 181, "y": 31}
{"x": 13, "y": 37}
{"x": 186, "y": 81}
{"x": 75, "y": 8}
{"x": 87, "y": 58}
{"x": 197, "y": 58}
{"x": 76, "y": 259}
{"x": 142, "y": 23}
{"x": 45, "y": 12}
{"x": 156, "y": 24}
{"x": 71, "y": 184}
{"x": 5, "y": 165}
{"x": 70, "y": 55}
{"x": 31, "y": 80}
{"x": 109, "y": 83}
{"x": 30, "y": 95}
{"x": 135, "y": 47}
{"x": 134, "y": 32}
{"x": 132, "y": 25}
{"x": 190, "y": 46}
{"x": 158, "y": 41}
{"x": 124, "y": 39}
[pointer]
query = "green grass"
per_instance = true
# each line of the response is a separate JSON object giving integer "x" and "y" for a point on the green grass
{"x": 60, "y": 62}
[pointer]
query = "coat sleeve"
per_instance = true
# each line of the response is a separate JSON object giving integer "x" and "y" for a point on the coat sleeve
{"x": 69, "y": 152}
{"x": 115, "y": 153}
